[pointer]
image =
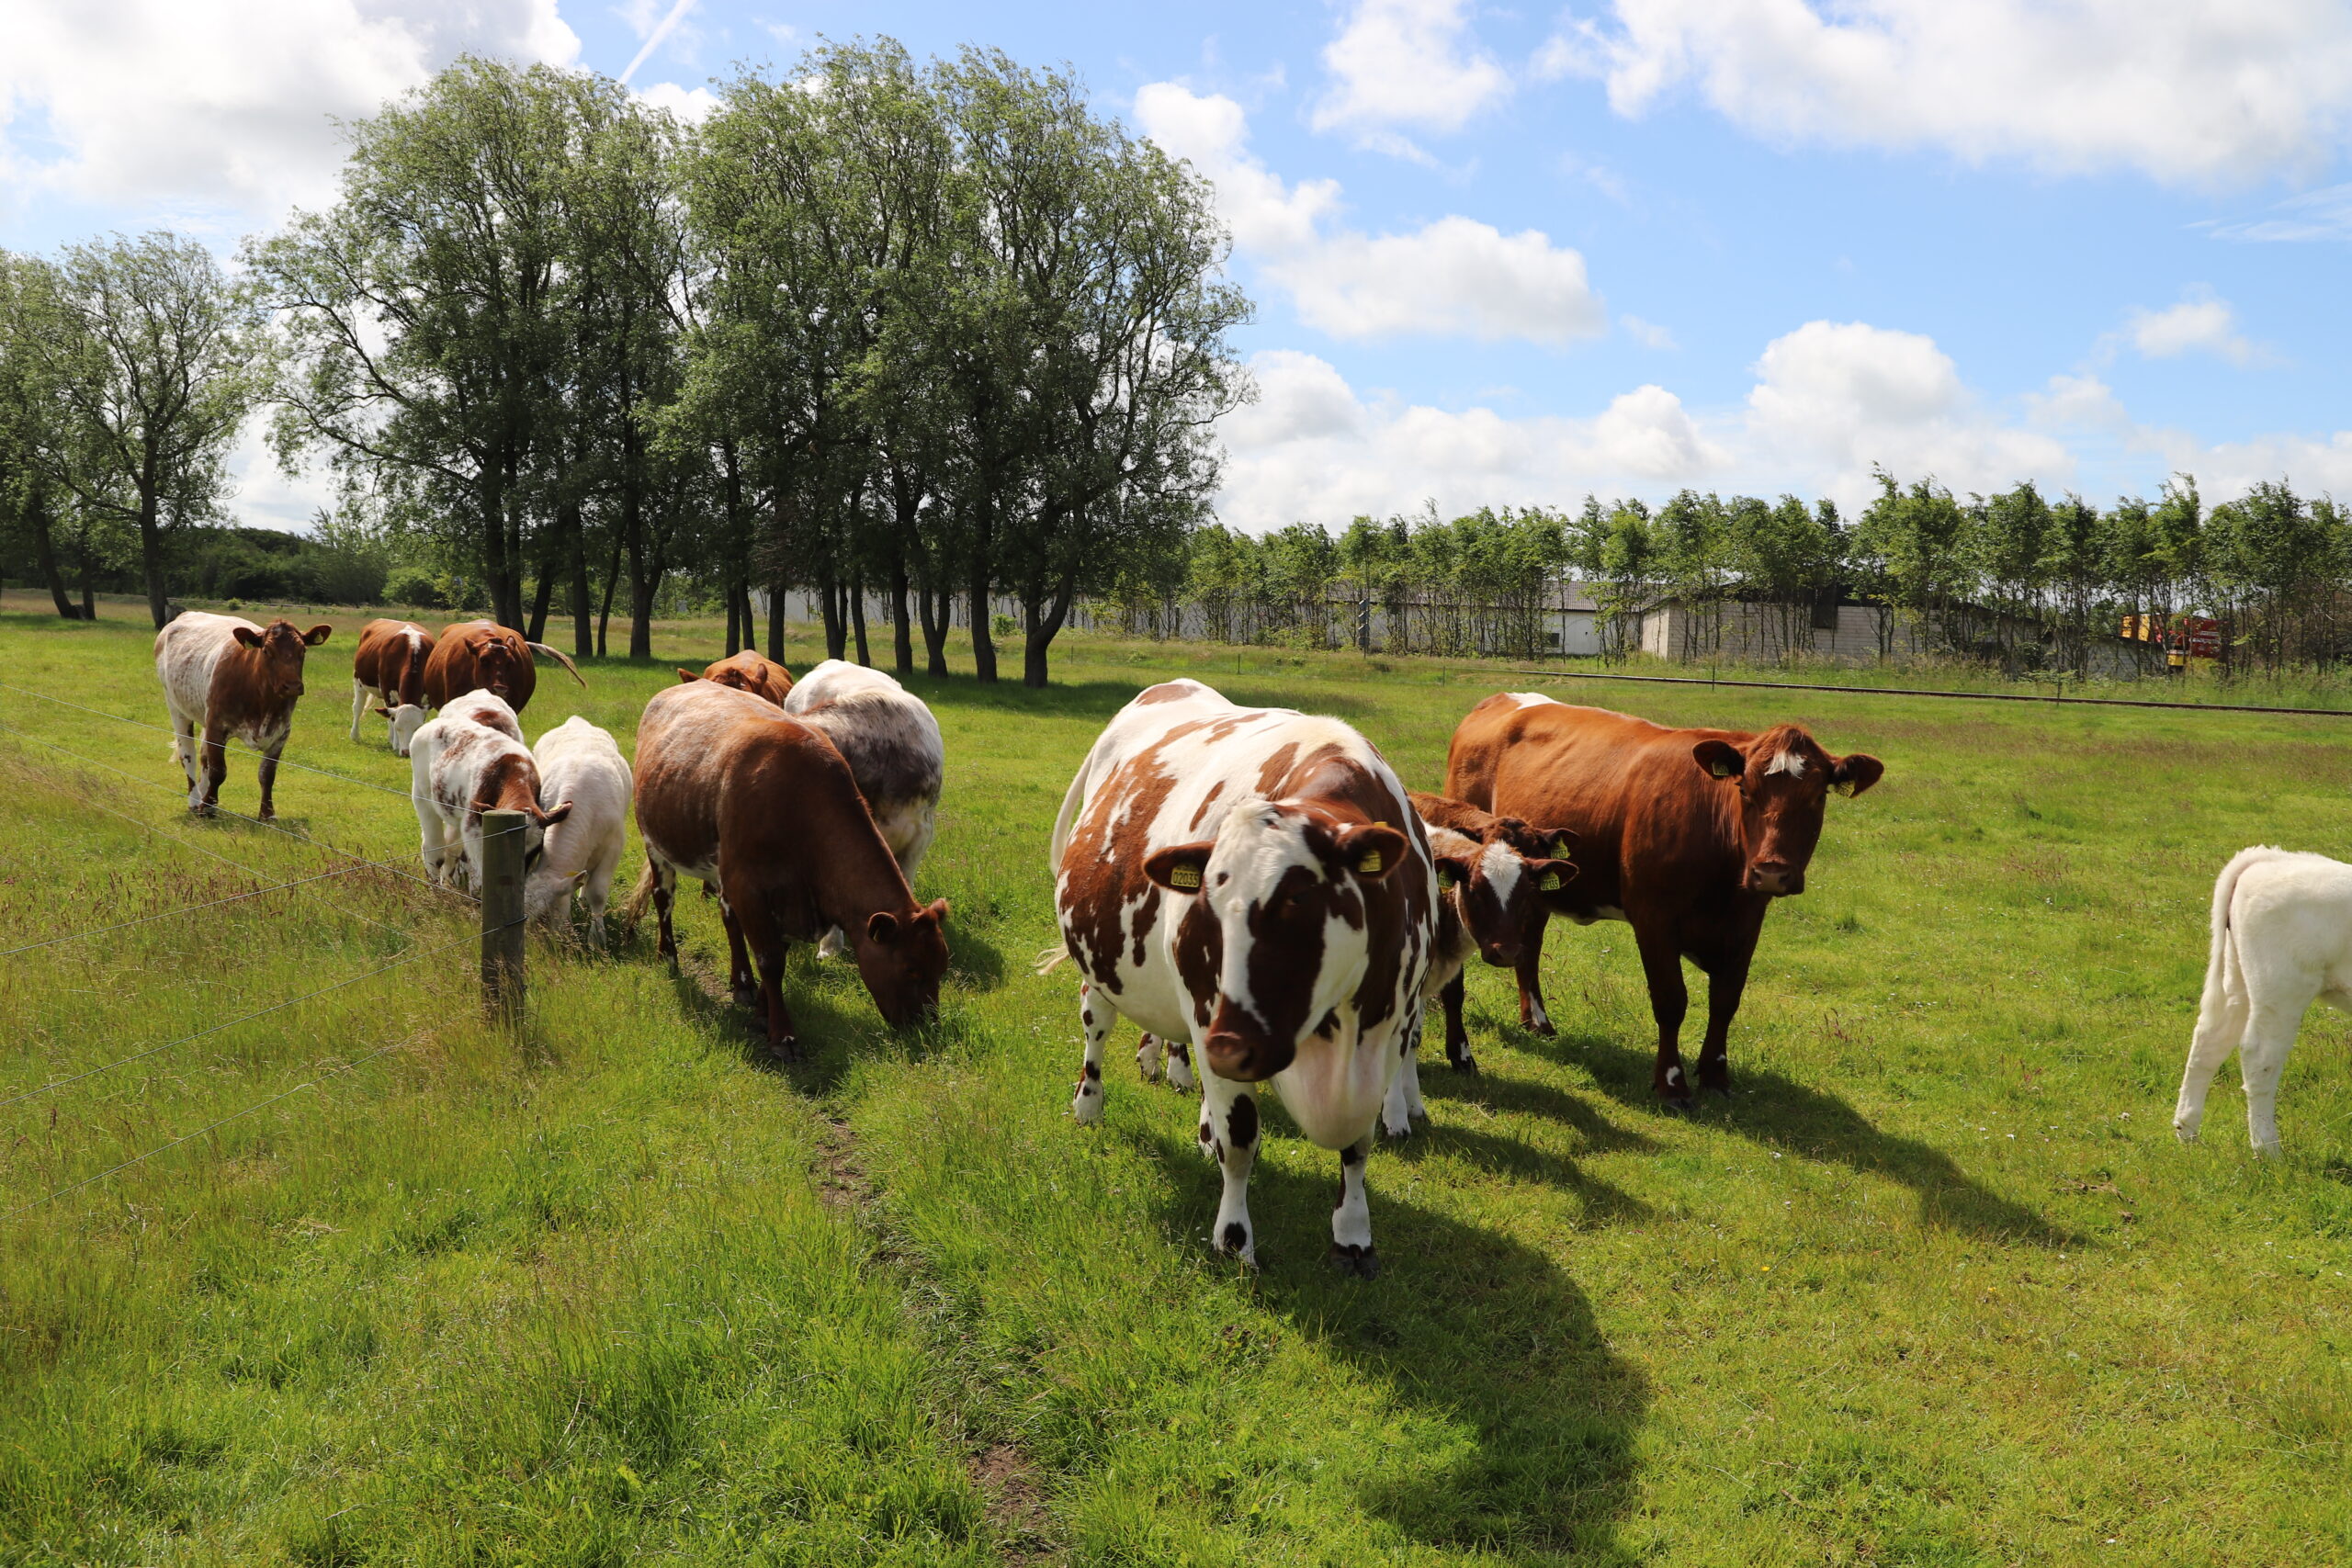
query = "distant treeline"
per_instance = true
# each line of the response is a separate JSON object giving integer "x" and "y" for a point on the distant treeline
{"x": 213, "y": 562}
{"x": 2016, "y": 580}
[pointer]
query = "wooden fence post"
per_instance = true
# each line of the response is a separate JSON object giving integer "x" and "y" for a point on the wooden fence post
{"x": 502, "y": 915}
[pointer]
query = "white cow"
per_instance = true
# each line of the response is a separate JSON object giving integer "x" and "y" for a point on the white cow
{"x": 891, "y": 743}
{"x": 1250, "y": 880}
{"x": 580, "y": 764}
{"x": 2283, "y": 938}
{"x": 459, "y": 768}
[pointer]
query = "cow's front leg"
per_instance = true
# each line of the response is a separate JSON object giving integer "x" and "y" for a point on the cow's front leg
{"x": 1727, "y": 982}
{"x": 1669, "y": 1000}
{"x": 184, "y": 752}
{"x": 1352, "y": 1221}
{"x": 1451, "y": 997}
{"x": 207, "y": 795}
{"x": 359, "y": 695}
{"x": 1096, "y": 1014}
{"x": 268, "y": 771}
{"x": 752, "y": 915}
{"x": 1148, "y": 1057}
{"x": 1403, "y": 1101}
{"x": 1530, "y": 969}
{"x": 1230, "y": 1135}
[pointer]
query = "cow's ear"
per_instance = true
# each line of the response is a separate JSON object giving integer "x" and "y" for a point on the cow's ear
{"x": 686, "y": 675}
{"x": 246, "y": 636}
{"x": 1372, "y": 851}
{"x": 1551, "y": 875}
{"x": 1720, "y": 757}
{"x": 557, "y": 814}
{"x": 937, "y": 910}
{"x": 379, "y": 711}
{"x": 882, "y": 928}
{"x": 1452, "y": 871}
{"x": 318, "y": 634}
{"x": 1854, "y": 774}
{"x": 1179, "y": 869}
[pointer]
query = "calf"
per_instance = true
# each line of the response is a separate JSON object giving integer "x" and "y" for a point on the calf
{"x": 891, "y": 742}
{"x": 1252, "y": 880}
{"x": 459, "y": 769}
{"x": 580, "y": 763}
{"x": 489, "y": 710}
{"x": 483, "y": 654}
{"x": 1490, "y": 897}
{"x": 2282, "y": 939}
{"x": 734, "y": 794}
{"x": 389, "y": 669}
{"x": 1686, "y": 834}
{"x": 224, "y": 676}
{"x": 747, "y": 671}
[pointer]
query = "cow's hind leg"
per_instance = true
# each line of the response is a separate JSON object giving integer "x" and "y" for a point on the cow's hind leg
{"x": 1180, "y": 1065}
{"x": 2262, "y": 1059}
{"x": 1097, "y": 1015}
{"x": 268, "y": 771}
{"x": 1451, "y": 996}
{"x": 359, "y": 695}
{"x": 1148, "y": 1057}
{"x": 1351, "y": 1220}
{"x": 751, "y": 914}
{"x": 2221, "y": 1024}
{"x": 1403, "y": 1101}
{"x": 216, "y": 772}
{"x": 743, "y": 985}
{"x": 665, "y": 895}
{"x": 1230, "y": 1135}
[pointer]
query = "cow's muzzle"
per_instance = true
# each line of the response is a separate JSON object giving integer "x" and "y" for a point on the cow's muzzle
{"x": 1775, "y": 881}
{"x": 1500, "y": 954}
{"x": 1245, "y": 1056}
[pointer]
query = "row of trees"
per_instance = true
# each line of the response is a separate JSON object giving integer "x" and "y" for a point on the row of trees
{"x": 2014, "y": 578}
{"x": 938, "y": 331}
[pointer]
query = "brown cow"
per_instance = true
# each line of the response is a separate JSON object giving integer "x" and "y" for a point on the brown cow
{"x": 223, "y": 675}
{"x": 1496, "y": 873}
{"x": 747, "y": 671}
{"x": 485, "y": 656}
{"x": 388, "y": 668}
{"x": 734, "y": 794}
{"x": 1686, "y": 834}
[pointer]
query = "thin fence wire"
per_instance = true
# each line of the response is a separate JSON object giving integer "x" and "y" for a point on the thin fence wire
{"x": 246, "y": 1017}
{"x": 187, "y": 908}
{"x": 231, "y": 744}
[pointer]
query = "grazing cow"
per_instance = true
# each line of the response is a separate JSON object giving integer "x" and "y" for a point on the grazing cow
{"x": 225, "y": 676}
{"x": 389, "y": 669}
{"x": 1494, "y": 874}
{"x": 483, "y": 654}
{"x": 747, "y": 671}
{"x": 459, "y": 768}
{"x": 2282, "y": 939}
{"x": 1686, "y": 834}
{"x": 761, "y": 807}
{"x": 580, "y": 763}
{"x": 1252, "y": 880}
{"x": 891, "y": 743}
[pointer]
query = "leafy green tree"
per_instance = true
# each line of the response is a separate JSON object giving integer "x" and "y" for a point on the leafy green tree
{"x": 30, "y": 422}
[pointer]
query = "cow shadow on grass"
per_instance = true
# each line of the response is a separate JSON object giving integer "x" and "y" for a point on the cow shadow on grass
{"x": 1482, "y": 1336}
{"x": 1796, "y": 1118}
{"x": 834, "y": 1019}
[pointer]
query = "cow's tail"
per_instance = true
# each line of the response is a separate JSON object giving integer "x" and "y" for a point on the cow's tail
{"x": 1049, "y": 959}
{"x": 2223, "y": 978}
{"x": 640, "y": 896}
{"x": 2222, "y": 1010}
{"x": 559, "y": 657}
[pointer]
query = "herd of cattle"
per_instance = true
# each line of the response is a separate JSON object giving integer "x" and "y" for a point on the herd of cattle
{"x": 1253, "y": 882}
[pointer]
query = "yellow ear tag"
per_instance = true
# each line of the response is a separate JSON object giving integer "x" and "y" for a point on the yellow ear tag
{"x": 1446, "y": 878}
{"x": 1560, "y": 846}
{"x": 1722, "y": 770}
{"x": 1187, "y": 877}
{"x": 1371, "y": 863}
{"x": 1550, "y": 883}
{"x": 1844, "y": 787}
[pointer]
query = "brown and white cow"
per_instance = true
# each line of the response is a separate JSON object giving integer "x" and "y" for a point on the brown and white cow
{"x": 225, "y": 676}
{"x": 388, "y": 669}
{"x": 483, "y": 654}
{"x": 1252, "y": 880}
{"x": 1493, "y": 875}
{"x": 761, "y": 807}
{"x": 1686, "y": 834}
{"x": 891, "y": 743}
{"x": 749, "y": 671}
{"x": 459, "y": 768}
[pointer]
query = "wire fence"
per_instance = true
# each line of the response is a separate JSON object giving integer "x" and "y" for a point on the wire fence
{"x": 317, "y": 883}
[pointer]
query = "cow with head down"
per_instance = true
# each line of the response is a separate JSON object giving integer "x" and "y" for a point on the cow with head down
{"x": 1250, "y": 881}
{"x": 1688, "y": 835}
{"x": 469, "y": 760}
{"x": 225, "y": 677}
{"x": 387, "y": 668}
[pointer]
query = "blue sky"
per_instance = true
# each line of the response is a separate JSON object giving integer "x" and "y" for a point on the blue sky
{"x": 1510, "y": 256}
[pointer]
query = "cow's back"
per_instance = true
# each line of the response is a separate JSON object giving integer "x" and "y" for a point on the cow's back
{"x": 187, "y": 650}
{"x": 886, "y": 734}
{"x": 582, "y": 763}
{"x": 695, "y": 746}
{"x": 391, "y": 659}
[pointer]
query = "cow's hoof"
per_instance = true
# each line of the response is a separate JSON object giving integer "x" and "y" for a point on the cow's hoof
{"x": 745, "y": 995}
{"x": 785, "y": 1050}
{"x": 1675, "y": 1105}
{"x": 1405, "y": 1131}
{"x": 1540, "y": 1026}
{"x": 1087, "y": 1105}
{"x": 2187, "y": 1134}
{"x": 1179, "y": 1076}
{"x": 1465, "y": 1063}
{"x": 1361, "y": 1262}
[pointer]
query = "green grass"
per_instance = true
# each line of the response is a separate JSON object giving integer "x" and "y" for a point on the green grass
{"x": 1937, "y": 1286}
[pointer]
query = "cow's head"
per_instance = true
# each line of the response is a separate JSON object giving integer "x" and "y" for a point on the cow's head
{"x": 535, "y": 823}
{"x": 281, "y": 646}
{"x": 1499, "y": 890}
{"x": 1285, "y": 885}
{"x": 406, "y": 720}
{"x": 747, "y": 671}
{"x": 498, "y": 667}
{"x": 900, "y": 958}
{"x": 1783, "y": 778}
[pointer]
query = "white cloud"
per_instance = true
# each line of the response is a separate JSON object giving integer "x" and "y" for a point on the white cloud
{"x": 1456, "y": 276}
{"x": 691, "y": 105}
{"x": 2200, "y": 323}
{"x": 226, "y": 105}
{"x": 2194, "y": 91}
{"x": 1649, "y": 334}
{"x": 2324, "y": 214}
{"x": 1402, "y": 62}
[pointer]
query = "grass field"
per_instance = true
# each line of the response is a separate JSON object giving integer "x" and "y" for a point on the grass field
{"x": 1937, "y": 1286}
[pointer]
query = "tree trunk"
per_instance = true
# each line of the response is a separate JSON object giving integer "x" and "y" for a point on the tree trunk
{"x": 612, "y": 581}
{"x": 150, "y": 553}
{"x": 583, "y": 635}
{"x": 983, "y": 641}
{"x": 902, "y": 642}
{"x": 89, "y": 583}
{"x": 45, "y": 554}
{"x": 543, "y": 594}
{"x": 734, "y": 623}
{"x": 858, "y": 617}
{"x": 775, "y": 620}
{"x": 828, "y": 599}
{"x": 1042, "y": 631}
{"x": 937, "y": 607}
